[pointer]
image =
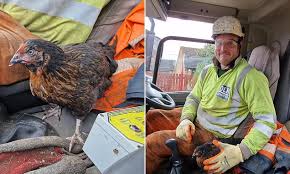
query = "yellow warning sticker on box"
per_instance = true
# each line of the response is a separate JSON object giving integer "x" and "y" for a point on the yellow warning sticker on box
{"x": 129, "y": 122}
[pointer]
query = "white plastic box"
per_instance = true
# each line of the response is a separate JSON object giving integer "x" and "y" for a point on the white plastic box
{"x": 115, "y": 135}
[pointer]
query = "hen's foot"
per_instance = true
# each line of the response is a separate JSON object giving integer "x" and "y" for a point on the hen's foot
{"x": 53, "y": 110}
{"x": 76, "y": 138}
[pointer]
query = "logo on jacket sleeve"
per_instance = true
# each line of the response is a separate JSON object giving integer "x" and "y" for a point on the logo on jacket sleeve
{"x": 224, "y": 92}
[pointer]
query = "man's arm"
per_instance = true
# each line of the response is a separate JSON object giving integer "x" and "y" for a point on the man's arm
{"x": 255, "y": 92}
{"x": 186, "y": 128}
{"x": 192, "y": 100}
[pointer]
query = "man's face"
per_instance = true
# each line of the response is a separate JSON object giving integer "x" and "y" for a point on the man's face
{"x": 226, "y": 48}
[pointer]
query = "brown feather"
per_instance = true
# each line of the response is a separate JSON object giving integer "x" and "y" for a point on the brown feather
{"x": 77, "y": 79}
{"x": 204, "y": 152}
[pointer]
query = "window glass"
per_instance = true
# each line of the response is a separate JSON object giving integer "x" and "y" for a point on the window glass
{"x": 181, "y": 61}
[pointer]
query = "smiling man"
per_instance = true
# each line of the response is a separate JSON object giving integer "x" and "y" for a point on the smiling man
{"x": 225, "y": 93}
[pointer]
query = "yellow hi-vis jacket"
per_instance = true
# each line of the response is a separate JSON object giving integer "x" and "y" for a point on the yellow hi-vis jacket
{"x": 220, "y": 104}
{"x": 60, "y": 21}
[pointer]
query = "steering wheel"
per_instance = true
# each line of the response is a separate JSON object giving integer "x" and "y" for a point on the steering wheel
{"x": 156, "y": 98}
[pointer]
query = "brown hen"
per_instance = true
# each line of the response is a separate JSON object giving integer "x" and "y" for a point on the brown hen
{"x": 205, "y": 151}
{"x": 73, "y": 76}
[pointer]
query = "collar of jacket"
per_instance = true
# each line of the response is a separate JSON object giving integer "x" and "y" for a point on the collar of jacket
{"x": 233, "y": 64}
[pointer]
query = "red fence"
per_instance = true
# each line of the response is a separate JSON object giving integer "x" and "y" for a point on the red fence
{"x": 174, "y": 82}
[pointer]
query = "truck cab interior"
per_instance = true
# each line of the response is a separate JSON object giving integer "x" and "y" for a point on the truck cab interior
{"x": 174, "y": 60}
{"x": 21, "y": 113}
{"x": 264, "y": 22}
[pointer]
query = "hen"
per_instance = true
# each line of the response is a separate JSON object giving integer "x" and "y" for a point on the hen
{"x": 73, "y": 76}
{"x": 204, "y": 152}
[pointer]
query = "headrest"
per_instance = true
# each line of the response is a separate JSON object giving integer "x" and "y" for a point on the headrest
{"x": 266, "y": 60}
{"x": 259, "y": 57}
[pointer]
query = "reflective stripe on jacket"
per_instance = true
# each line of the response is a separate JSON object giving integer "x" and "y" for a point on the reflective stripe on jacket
{"x": 220, "y": 104}
{"x": 274, "y": 157}
{"x": 60, "y": 21}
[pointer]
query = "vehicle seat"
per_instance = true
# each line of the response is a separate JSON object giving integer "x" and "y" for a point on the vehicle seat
{"x": 266, "y": 60}
{"x": 17, "y": 96}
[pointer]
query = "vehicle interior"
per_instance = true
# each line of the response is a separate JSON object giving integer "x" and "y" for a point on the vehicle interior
{"x": 264, "y": 22}
{"x": 17, "y": 104}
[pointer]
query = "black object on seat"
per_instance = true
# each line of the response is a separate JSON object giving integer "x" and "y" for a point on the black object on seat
{"x": 24, "y": 126}
{"x": 175, "y": 160}
{"x": 17, "y": 97}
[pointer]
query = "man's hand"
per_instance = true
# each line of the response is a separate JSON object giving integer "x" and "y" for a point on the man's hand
{"x": 185, "y": 130}
{"x": 229, "y": 156}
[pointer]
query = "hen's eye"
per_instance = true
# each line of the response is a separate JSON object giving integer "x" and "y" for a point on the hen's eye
{"x": 30, "y": 52}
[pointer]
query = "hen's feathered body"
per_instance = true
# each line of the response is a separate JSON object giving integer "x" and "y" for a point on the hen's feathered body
{"x": 205, "y": 151}
{"x": 73, "y": 76}
{"x": 76, "y": 78}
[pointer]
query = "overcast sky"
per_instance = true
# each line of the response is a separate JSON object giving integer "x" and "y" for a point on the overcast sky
{"x": 177, "y": 27}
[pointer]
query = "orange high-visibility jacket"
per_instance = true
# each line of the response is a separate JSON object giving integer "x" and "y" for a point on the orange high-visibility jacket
{"x": 275, "y": 156}
{"x": 130, "y": 45}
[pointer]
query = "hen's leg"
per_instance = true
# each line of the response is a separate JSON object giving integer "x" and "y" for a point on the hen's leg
{"x": 53, "y": 110}
{"x": 76, "y": 138}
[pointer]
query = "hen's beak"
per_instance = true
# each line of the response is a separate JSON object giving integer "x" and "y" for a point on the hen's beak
{"x": 15, "y": 59}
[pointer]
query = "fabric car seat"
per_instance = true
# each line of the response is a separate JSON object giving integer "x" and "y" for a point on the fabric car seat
{"x": 266, "y": 60}
{"x": 15, "y": 94}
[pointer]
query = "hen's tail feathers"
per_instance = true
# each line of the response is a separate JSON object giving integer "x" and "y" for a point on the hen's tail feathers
{"x": 113, "y": 64}
{"x": 111, "y": 50}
